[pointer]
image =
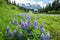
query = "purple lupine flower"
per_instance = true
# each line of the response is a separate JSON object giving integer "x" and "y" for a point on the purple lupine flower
{"x": 36, "y": 24}
{"x": 23, "y": 25}
{"x": 25, "y": 17}
{"x": 29, "y": 17}
{"x": 42, "y": 37}
{"x": 19, "y": 26}
{"x": 9, "y": 32}
{"x": 42, "y": 28}
{"x": 48, "y": 36}
{"x": 28, "y": 21}
{"x": 26, "y": 25}
{"x": 20, "y": 36}
{"x": 15, "y": 34}
{"x": 31, "y": 35}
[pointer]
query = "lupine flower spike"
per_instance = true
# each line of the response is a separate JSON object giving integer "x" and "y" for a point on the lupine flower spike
{"x": 26, "y": 25}
{"x": 15, "y": 34}
{"x": 31, "y": 35}
{"x": 48, "y": 36}
{"x": 9, "y": 32}
{"x": 36, "y": 24}
{"x": 23, "y": 25}
{"x": 42, "y": 28}
{"x": 28, "y": 21}
{"x": 42, "y": 37}
{"x": 19, "y": 26}
{"x": 20, "y": 36}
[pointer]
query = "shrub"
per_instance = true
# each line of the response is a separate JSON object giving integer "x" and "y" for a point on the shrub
{"x": 53, "y": 12}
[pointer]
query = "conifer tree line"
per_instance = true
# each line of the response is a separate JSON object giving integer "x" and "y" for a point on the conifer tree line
{"x": 52, "y": 7}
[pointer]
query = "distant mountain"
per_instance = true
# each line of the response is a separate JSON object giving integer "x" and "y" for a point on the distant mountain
{"x": 29, "y": 6}
{"x": 22, "y": 5}
{"x": 36, "y": 6}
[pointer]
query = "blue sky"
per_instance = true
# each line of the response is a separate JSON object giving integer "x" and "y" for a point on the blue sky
{"x": 42, "y": 3}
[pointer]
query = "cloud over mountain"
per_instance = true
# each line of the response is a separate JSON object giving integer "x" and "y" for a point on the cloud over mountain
{"x": 41, "y": 3}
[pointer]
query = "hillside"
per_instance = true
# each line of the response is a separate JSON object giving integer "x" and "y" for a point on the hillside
{"x": 8, "y": 12}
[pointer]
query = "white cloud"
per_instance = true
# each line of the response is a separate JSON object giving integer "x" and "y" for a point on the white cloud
{"x": 31, "y": 2}
{"x": 41, "y": 4}
{"x": 51, "y": 1}
{"x": 25, "y": 1}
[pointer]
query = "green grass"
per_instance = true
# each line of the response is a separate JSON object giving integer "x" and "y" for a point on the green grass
{"x": 52, "y": 23}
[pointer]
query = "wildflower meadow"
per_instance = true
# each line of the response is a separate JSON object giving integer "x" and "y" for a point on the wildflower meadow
{"x": 27, "y": 29}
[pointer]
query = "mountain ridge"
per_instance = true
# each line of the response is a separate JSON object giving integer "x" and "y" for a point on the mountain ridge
{"x": 29, "y": 6}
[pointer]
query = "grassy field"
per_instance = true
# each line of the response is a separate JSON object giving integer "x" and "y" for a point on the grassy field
{"x": 9, "y": 12}
{"x": 52, "y": 25}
